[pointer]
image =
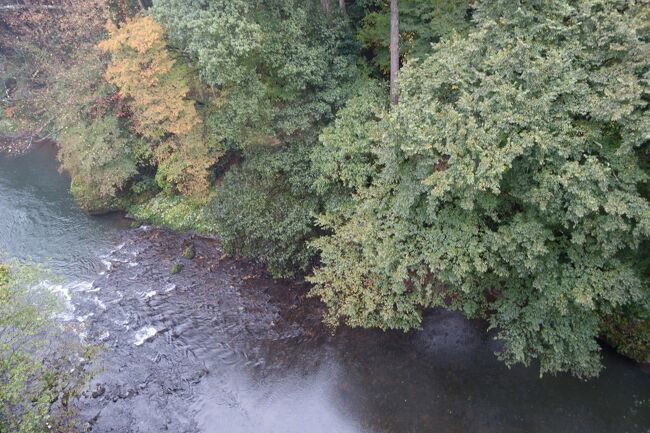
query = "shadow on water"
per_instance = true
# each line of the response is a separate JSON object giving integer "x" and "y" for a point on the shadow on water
{"x": 221, "y": 348}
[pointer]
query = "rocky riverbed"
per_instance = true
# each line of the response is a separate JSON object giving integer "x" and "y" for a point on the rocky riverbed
{"x": 220, "y": 347}
{"x": 165, "y": 333}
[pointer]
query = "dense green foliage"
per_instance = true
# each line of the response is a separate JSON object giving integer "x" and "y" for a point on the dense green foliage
{"x": 264, "y": 209}
{"x": 278, "y": 74}
{"x": 275, "y": 66}
{"x": 345, "y": 161}
{"x": 101, "y": 160}
{"x": 508, "y": 190}
{"x": 39, "y": 364}
{"x": 510, "y": 182}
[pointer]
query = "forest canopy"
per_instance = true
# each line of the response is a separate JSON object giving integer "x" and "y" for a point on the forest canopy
{"x": 510, "y": 181}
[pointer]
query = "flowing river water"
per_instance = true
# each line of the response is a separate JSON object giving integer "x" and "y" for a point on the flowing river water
{"x": 221, "y": 348}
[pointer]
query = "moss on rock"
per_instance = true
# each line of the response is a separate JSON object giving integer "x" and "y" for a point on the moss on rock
{"x": 176, "y": 268}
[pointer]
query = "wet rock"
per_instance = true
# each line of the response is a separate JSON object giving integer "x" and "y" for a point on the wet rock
{"x": 129, "y": 392}
{"x": 92, "y": 421}
{"x": 189, "y": 252}
{"x": 99, "y": 391}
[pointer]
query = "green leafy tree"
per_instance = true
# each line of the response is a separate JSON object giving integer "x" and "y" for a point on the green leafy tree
{"x": 511, "y": 184}
{"x": 40, "y": 367}
{"x": 274, "y": 67}
{"x": 264, "y": 209}
{"x": 102, "y": 159}
{"x": 275, "y": 73}
{"x": 345, "y": 160}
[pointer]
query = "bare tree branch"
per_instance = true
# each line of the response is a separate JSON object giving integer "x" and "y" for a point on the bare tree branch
{"x": 16, "y": 7}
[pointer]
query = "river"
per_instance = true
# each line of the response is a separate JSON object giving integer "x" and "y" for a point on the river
{"x": 219, "y": 347}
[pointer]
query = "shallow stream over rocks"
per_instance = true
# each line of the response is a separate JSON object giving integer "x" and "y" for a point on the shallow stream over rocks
{"x": 219, "y": 347}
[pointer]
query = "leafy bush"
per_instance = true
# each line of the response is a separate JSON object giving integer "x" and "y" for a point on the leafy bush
{"x": 41, "y": 366}
{"x": 145, "y": 71}
{"x": 101, "y": 159}
{"x": 509, "y": 184}
{"x": 264, "y": 209}
{"x": 157, "y": 87}
{"x": 345, "y": 162}
{"x": 276, "y": 66}
{"x": 628, "y": 330}
{"x": 277, "y": 72}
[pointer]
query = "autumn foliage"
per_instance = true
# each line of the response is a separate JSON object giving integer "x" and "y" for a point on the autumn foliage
{"x": 145, "y": 71}
{"x": 156, "y": 87}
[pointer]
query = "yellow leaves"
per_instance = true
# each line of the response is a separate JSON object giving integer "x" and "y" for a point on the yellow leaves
{"x": 145, "y": 35}
{"x": 114, "y": 42}
{"x": 140, "y": 34}
{"x": 157, "y": 87}
{"x": 145, "y": 71}
{"x": 184, "y": 162}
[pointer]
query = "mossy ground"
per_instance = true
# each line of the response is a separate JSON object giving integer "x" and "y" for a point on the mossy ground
{"x": 179, "y": 213}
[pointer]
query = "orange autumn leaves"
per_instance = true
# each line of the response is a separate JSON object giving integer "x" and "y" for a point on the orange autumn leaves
{"x": 158, "y": 87}
{"x": 144, "y": 70}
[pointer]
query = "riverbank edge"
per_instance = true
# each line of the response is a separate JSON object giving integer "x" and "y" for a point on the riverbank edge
{"x": 20, "y": 144}
{"x": 605, "y": 339}
{"x": 151, "y": 213}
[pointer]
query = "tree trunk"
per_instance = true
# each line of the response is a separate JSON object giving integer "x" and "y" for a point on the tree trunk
{"x": 325, "y": 5}
{"x": 142, "y": 6}
{"x": 343, "y": 8}
{"x": 394, "y": 51}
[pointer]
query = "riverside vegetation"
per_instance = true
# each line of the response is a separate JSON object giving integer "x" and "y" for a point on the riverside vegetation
{"x": 509, "y": 182}
{"x": 42, "y": 365}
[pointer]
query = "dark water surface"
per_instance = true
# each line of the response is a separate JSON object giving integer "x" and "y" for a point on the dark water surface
{"x": 39, "y": 219}
{"x": 220, "y": 348}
